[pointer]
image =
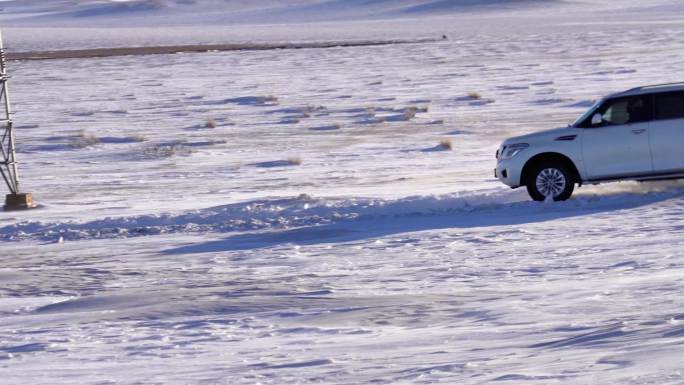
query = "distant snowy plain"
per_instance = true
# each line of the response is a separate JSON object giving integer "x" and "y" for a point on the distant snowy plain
{"x": 289, "y": 217}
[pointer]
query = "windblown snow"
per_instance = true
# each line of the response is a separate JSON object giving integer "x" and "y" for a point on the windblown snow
{"x": 330, "y": 216}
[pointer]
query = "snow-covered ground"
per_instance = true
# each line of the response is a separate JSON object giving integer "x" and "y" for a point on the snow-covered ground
{"x": 288, "y": 216}
{"x": 57, "y": 24}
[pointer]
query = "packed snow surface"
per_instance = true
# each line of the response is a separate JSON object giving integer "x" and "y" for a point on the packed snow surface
{"x": 297, "y": 216}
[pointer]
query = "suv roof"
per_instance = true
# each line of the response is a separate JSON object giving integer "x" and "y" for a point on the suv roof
{"x": 650, "y": 89}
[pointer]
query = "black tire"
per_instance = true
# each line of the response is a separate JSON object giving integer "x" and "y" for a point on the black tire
{"x": 554, "y": 179}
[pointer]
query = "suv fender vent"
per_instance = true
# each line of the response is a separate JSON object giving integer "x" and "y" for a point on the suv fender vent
{"x": 567, "y": 138}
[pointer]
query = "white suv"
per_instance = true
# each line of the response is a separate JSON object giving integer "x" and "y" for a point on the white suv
{"x": 637, "y": 135}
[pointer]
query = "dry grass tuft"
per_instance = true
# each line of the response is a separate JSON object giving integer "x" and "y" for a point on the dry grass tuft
{"x": 273, "y": 100}
{"x": 474, "y": 95}
{"x": 311, "y": 108}
{"x": 294, "y": 161}
{"x": 446, "y": 144}
{"x": 161, "y": 151}
{"x": 211, "y": 123}
{"x": 85, "y": 139}
{"x": 136, "y": 138}
{"x": 410, "y": 113}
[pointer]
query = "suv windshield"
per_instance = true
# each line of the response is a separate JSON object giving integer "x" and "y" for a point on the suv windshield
{"x": 587, "y": 114}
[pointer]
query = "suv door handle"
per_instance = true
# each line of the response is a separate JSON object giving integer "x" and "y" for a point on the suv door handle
{"x": 638, "y": 131}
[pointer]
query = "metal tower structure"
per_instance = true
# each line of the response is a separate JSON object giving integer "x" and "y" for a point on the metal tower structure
{"x": 8, "y": 155}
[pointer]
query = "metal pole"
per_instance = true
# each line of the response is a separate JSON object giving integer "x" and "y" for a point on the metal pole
{"x": 8, "y": 162}
{"x": 10, "y": 155}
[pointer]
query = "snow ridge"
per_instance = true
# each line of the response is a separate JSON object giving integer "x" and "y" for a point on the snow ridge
{"x": 463, "y": 209}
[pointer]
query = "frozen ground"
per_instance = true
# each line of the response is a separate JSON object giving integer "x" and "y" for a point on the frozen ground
{"x": 286, "y": 217}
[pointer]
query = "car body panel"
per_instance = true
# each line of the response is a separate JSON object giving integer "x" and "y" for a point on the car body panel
{"x": 666, "y": 138}
{"x": 616, "y": 150}
{"x": 564, "y": 141}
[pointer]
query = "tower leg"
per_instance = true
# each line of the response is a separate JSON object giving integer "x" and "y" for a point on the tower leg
{"x": 22, "y": 201}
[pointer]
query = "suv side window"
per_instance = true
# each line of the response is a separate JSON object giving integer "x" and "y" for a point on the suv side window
{"x": 627, "y": 110}
{"x": 669, "y": 105}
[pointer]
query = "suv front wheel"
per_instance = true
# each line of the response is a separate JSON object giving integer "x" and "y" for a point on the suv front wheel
{"x": 550, "y": 179}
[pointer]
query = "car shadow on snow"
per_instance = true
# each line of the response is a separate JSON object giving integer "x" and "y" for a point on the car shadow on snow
{"x": 377, "y": 226}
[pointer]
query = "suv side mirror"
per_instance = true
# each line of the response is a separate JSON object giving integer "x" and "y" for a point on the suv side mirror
{"x": 596, "y": 120}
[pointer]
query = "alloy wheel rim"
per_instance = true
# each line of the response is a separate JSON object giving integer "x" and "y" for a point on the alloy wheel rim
{"x": 551, "y": 182}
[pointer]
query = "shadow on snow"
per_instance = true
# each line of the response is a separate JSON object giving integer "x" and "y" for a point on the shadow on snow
{"x": 377, "y": 226}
